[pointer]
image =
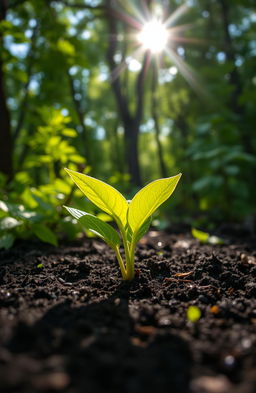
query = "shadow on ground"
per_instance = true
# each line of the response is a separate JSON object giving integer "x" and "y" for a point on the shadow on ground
{"x": 95, "y": 348}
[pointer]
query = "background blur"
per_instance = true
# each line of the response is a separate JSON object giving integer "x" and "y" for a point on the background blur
{"x": 77, "y": 90}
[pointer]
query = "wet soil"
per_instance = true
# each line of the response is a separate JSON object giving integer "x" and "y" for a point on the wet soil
{"x": 69, "y": 324}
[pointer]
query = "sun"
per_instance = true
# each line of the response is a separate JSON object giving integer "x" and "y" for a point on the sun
{"x": 153, "y": 36}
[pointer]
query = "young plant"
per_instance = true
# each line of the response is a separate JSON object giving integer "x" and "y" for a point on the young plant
{"x": 133, "y": 217}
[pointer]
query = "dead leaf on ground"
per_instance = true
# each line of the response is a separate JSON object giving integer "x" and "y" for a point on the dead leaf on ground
{"x": 187, "y": 274}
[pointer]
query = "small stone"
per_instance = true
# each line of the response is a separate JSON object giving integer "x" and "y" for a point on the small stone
{"x": 204, "y": 299}
{"x": 53, "y": 381}
{"x": 248, "y": 259}
{"x": 229, "y": 361}
{"x": 86, "y": 342}
{"x": 207, "y": 384}
{"x": 182, "y": 244}
{"x": 251, "y": 288}
{"x": 246, "y": 343}
{"x": 214, "y": 309}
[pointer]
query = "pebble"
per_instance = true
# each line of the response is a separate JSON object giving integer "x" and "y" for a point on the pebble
{"x": 251, "y": 288}
{"x": 229, "y": 361}
{"x": 204, "y": 299}
{"x": 208, "y": 384}
{"x": 56, "y": 381}
{"x": 246, "y": 343}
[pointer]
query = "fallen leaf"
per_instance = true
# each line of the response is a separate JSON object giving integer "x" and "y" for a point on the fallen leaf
{"x": 147, "y": 330}
{"x": 187, "y": 274}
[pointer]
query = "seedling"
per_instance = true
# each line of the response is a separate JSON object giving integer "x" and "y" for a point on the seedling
{"x": 193, "y": 313}
{"x": 204, "y": 237}
{"x": 133, "y": 217}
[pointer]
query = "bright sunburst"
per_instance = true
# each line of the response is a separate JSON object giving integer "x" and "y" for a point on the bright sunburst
{"x": 153, "y": 36}
{"x": 159, "y": 37}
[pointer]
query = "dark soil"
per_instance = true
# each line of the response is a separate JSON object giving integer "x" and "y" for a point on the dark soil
{"x": 69, "y": 324}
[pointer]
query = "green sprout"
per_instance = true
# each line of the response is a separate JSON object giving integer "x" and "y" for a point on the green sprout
{"x": 204, "y": 237}
{"x": 133, "y": 218}
{"x": 193, "y": 314}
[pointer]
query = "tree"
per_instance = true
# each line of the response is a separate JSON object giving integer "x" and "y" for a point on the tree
{"x": 131, "y": 120}
{"x": 6, "y": 143}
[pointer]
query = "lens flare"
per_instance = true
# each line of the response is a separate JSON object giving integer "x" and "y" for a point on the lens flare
{"x": 153, "y": 36}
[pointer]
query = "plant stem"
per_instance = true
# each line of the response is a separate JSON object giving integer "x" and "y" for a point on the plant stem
{"x": 132, "y": 255}
{"x": 129, "y": 257}
{"x": 121, "y": 263}
{"x": 129, "y": 265}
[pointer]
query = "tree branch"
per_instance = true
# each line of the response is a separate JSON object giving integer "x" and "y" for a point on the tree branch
{"x": 140, "y": 87}
{"x": 80, "y": 116}
{"x": 115, "y": 79}
{"x": 6, "y": 143}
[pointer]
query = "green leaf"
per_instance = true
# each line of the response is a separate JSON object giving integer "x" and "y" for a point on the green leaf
{"x": 45, "y": 234}
{"x": 203, "y": 237}
{"x": 141, "y": 232}
{"x": 69, "y": 132}
{"x": 65, "y": 47}
{"x": 104, "y": 217}
{"x": 30, "y": 216}
{"x": 9, "y": 223}
{"x": 3, "y": 206}
{"x": 6, "y": 241}
{"x": 147, "y": 200}
{"x": 75, "y": 212}
{"x": 102, "y": 195}
{"x": 95, "y": 225}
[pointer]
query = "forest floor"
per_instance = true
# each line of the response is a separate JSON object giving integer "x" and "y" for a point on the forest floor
{"x": 69, "y": 324}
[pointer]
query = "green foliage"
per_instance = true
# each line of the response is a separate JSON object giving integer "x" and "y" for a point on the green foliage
{"x": 62, "y": 111}
{"x": 104, "y": 196}
{"x": 97, "y": 226}
{"x": 147, "y": 200}
{"x": 132, "y": 217}
{"x": 32, "y": 207}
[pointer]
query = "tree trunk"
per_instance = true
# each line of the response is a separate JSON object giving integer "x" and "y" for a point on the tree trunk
{"x": 80, "y": 116}
{"x": 154, "y": 112}
{"x": 131, "y": 121}
{"x": 131, "y": 133}
{"x": 234, "y": 78}
{"x": 6, "y": 145}
{"x": 116, "y": 150}
{"x": 24, "y": 102}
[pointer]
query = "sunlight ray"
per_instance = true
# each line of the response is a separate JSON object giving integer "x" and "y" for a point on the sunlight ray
{"x": 136, "y": 11}
{"x": 131, "y": 21}
{"x": 124, "y": 64}
{"x": 176, "y": 15}
{"x": 187, "y": 72}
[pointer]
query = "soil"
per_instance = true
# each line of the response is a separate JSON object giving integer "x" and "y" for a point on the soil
{"x": 69, "y": 324}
